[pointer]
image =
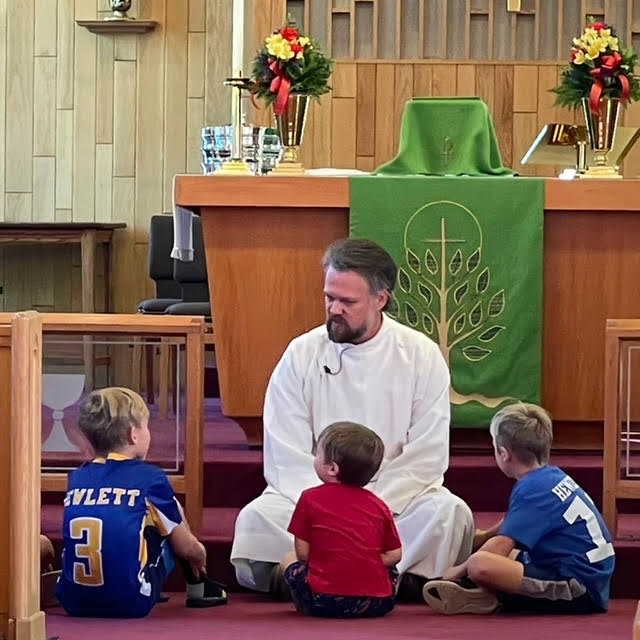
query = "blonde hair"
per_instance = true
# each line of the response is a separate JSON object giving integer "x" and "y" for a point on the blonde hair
{"x": 526, "y": 430}
{"x": 108, "y": 415}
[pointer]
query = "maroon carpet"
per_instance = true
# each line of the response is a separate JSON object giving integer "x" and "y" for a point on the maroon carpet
{"x": 249, "y": 616}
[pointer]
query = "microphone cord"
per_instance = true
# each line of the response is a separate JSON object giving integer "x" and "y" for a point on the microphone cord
{"x": 339, "y": 369}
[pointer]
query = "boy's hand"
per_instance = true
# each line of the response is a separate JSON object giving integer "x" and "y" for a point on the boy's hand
{"x": 455, "y": 573}
{"x": 198, "y": 561}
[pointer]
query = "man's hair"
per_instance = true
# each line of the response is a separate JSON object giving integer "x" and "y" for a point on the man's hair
{"x": 526, "y": 430}
{"x": 365, "y": 258}
{"x": 356, "y": 450}
{"x": 108, "y": 415}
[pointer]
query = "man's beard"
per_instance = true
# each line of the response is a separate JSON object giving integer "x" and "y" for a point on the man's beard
{"x": 340, "y": 331}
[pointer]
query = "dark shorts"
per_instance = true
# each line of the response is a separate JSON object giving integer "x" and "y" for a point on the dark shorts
{"x": 543, "y": 592}
{"x": 330, "y": 606}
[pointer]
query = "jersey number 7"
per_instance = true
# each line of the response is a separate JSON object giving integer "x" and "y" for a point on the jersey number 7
{"x": 579, "y": 509}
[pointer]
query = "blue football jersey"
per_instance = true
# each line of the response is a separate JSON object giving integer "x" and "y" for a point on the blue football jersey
{"x": 117, "y": 514}
{"x": 557, "y": 523}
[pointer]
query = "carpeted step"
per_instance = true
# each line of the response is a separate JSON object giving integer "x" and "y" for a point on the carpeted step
{"x": 218, "y": 527}
{"x": 232, "y": 478}
{"x": 479, "y": 482}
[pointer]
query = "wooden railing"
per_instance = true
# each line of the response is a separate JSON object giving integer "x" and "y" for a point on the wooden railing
{"x": 621, "y": 414}
{"x": 20, "y": 416}
{"x": 187, "y": 328}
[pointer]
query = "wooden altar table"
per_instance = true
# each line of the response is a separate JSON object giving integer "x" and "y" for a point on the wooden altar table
{"x": 265, "y": 236}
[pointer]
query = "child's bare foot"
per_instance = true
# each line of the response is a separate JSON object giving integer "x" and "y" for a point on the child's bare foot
{"x": 480, "y": 537}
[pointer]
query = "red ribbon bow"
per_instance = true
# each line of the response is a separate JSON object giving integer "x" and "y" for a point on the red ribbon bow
{"x": 608, "y": 69}
{"x": 280, "y": 85}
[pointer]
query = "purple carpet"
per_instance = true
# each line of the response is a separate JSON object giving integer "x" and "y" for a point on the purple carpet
{"x": 249, "y": 616}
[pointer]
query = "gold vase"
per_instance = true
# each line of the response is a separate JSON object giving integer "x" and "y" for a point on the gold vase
{"x": 601, "y": 127}
{"x": 290, "y": 127}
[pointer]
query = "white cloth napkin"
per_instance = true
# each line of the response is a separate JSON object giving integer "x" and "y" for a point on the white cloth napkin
{"x": 182, "y": 231}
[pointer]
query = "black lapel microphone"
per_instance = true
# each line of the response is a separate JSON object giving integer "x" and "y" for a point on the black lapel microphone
{"x": 339, "y": 369}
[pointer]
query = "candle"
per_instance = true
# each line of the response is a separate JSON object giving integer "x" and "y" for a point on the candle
{"x": 237, "y": 44}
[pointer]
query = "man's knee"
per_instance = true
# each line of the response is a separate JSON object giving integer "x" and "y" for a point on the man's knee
{"x": 246, "y": 512}
{"x": 462, "y": 512}
{"x": 453, "y": 509}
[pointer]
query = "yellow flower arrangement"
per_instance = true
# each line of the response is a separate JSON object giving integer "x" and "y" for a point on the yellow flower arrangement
{"x": 599, "y": 68}
{"x": 289, "y": 63}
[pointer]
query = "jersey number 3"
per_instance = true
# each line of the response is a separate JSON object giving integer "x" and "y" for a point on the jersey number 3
{"x": 579, "y": 509}
{"x": 87, "y": 572}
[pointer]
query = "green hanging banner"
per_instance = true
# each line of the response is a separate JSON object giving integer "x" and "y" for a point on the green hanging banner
{"x": 469, "y": 252}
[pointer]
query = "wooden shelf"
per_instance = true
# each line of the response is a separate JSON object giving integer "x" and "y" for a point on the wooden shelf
{"x": 118, "y": 26}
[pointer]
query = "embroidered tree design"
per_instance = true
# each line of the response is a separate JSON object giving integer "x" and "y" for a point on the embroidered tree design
{"x": 444, "y": 290}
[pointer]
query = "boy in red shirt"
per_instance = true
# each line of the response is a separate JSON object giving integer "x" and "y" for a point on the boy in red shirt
{"x": 346, "y": 543}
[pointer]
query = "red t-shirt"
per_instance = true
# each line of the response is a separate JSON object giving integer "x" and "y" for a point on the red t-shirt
{"x": 347, "y": 528}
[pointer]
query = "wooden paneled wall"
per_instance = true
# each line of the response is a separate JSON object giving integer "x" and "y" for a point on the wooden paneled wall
{"x": 458, "y": 29}
{"x": 358, "y": 124}
{"x": 94, "y": 127}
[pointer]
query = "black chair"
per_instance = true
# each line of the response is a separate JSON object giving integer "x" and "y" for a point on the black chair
{"x": 194, "y": 284}
{"x": 193, "y": 281}
{"x": 161, "y": 266}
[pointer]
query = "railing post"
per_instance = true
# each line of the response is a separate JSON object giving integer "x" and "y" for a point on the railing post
{"x": 27, "y": 622}
{"x": 193, "y": 455}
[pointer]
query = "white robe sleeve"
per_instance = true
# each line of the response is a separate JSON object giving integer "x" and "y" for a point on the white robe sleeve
{"x": 425, "y": 456}
{"x": 288, "y": 432}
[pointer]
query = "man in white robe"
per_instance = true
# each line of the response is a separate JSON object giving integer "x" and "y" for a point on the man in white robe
{"x": 364, "y": 367}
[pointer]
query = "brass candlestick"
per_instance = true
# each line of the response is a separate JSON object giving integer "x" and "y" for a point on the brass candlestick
{"x": 236, "y": 164}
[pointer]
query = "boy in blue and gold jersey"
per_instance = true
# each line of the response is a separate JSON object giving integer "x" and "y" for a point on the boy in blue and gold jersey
{"x": 552, "y": 552}
{"x": 122, "y": 523}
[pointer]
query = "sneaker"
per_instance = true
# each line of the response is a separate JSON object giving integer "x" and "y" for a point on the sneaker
{"x": 463, "y": 596}
{"x": 410, "y": 588}
{"x": 48, "y": 585}
{"x": 206, "y": 593}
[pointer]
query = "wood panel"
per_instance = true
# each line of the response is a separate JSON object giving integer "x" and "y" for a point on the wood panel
{"x": 120, "y": 115}
{"x": 264, "y": 258}
{"x": 455, "y": 29}
{"x": 5, "y": 473}
{"x": 96, "y": 126}
{"x": 595, "y": 257}
{"x": 19, "y": 105}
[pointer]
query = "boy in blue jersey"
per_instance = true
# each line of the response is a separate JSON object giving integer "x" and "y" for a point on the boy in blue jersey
{"x": 123, "y": 526}
{"x": 552, "y": 552}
